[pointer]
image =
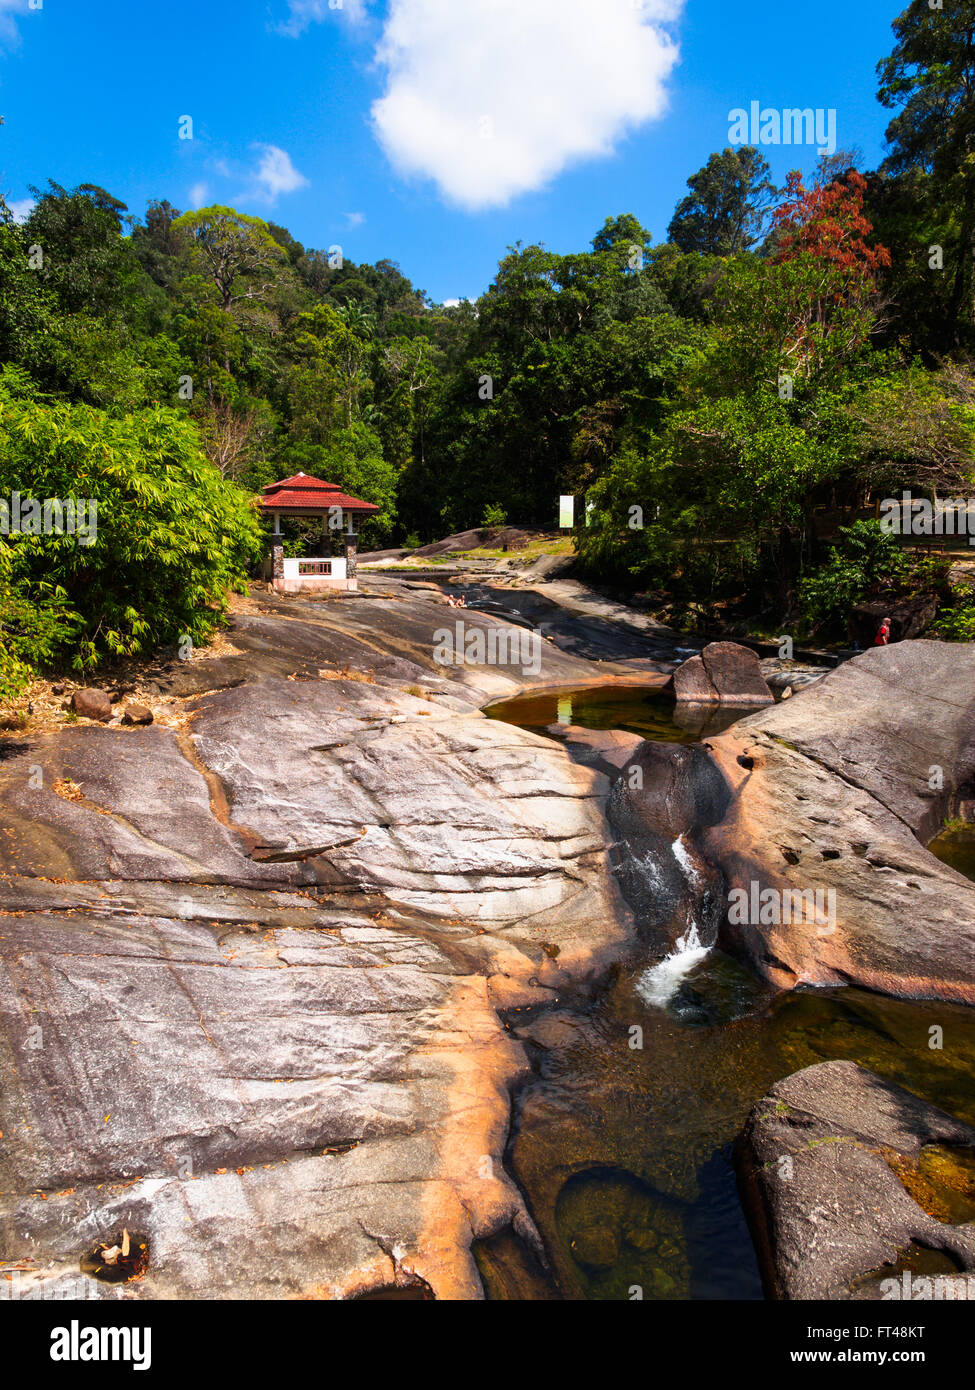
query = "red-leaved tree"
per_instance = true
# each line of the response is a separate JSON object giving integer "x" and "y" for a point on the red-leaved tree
{"x": 825, "y": 231}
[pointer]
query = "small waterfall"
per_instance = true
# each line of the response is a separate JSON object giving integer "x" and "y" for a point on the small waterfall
{"x": 659, "y": 983}
{"x": 688, "y": 867}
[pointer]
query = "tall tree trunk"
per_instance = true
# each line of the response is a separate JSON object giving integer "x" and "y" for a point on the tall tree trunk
{"x": 964, "y": 272}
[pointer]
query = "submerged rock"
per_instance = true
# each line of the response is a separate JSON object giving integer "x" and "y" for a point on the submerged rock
{"x": 597, "y": 1247}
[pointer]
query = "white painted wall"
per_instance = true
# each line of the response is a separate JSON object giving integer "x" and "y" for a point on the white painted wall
{"x": 291, "y": 568}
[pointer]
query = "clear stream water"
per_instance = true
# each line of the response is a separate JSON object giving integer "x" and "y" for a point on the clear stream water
{"x": 632, "y": 708}
{"x": 623, "y": 1152}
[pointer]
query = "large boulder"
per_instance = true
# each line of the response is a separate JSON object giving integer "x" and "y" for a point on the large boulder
{"x": 724, "y": 673}
{"x": 836, "y": 1183}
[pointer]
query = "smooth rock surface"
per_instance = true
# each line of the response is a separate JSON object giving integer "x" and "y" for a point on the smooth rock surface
{"x": 251, "y": 967}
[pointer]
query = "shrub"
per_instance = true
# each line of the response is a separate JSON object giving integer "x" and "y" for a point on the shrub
{"x": 955, "y": 624}
{"x": 171, "y": 537}
{"x": 31, "y": 627}
{"x": 865, "y": 559}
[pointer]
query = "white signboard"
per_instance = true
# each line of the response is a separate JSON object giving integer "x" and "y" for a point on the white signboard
{"x": 567, "y": 512}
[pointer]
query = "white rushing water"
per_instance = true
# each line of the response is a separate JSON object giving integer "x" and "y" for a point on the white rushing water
{"x": 688, "y": 869}
{"x": 659, "y": 983}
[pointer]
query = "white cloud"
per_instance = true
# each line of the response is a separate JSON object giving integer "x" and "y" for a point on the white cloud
{"x": 20, "y": 208}
{"x": 276, "y": 174}
{"x": 199, "y": 194}
{"x": 355, "y": 219}
{"x": 305, "y": 12}
{"x": 9, "y": 9}
{"x": 492, "y": 98}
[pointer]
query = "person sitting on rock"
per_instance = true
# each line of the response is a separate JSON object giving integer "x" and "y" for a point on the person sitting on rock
{"x": 883, "y": 633}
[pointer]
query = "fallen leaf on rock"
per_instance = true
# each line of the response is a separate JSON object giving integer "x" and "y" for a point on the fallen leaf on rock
{"x": 68, "y": 790}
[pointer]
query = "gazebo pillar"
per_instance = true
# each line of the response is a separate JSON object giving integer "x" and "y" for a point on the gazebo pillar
{"x": 351, "y": 548}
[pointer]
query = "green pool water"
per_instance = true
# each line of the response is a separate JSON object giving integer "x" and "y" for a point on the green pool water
{"x": 634, "y": 709}
{"x": 623, "y": 1152}
{"x": 956, "y": 846}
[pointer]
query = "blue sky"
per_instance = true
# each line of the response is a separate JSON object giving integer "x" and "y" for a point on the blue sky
{"x": 431, "y": 132}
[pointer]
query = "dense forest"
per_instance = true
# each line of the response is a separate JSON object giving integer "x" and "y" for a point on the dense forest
{"x": 786, "y": 357}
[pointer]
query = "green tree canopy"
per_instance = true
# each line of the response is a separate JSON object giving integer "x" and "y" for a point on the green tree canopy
{"x": 728, "y": 201}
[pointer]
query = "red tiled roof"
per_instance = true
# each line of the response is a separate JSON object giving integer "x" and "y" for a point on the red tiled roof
{"x": 305, "y": 493}
{"x": 303, "y": 502}
{"x": 301, "y": 480}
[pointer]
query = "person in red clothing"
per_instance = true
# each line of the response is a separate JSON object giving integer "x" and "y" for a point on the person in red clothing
{"x": 883, "y": 634}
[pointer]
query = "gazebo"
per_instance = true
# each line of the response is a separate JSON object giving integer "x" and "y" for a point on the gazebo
{"x": 303, "y": 495}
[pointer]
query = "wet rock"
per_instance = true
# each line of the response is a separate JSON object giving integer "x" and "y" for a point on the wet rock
{"x": 596, "y": 1247}
{"x": 658, "y": 808}
{"x": 92, "y": 703}
{"x": 642, "y": 1238}
{"x": 724, "y": 673}
{"x": 826, "y": 1164}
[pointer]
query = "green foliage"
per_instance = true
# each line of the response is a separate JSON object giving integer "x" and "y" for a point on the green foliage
{"x": 494, "y": 516}
{"x": 87, "y": 263}
{"x": 929, "y": 80}
{"x": 237, "y": 253}
{"x": 865, "y": 560}
{"x": 33, "y": 626}
{"x": 171, "y": 537}
{"x": 728, "y": 201}
{"x": 955, "y": 622}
